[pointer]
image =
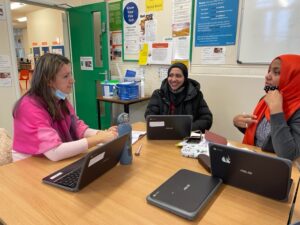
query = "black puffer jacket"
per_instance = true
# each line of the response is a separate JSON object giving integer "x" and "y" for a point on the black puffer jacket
{"x": 193, "y": 104}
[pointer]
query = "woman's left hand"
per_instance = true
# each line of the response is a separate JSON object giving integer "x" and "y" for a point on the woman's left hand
{"x": 274, "y": 101}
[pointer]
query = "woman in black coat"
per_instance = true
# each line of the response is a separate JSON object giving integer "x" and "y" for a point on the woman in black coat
{"x": 179, "y": 95}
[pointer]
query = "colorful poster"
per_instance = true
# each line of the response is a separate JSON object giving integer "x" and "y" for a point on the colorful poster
{"x": 181, "y": 17}
{"x": 115, "y": 16}
{"x": 216, "y": 22}
{"x": 130, "y": 29}
{"x": 146, "y": 28}
{"x": 143, "y": 55}
{"x": 154, "y": 5}
{"x": 160, "y": 53}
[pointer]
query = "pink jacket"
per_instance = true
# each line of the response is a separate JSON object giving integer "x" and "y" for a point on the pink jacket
{"x": 35, "y": 132}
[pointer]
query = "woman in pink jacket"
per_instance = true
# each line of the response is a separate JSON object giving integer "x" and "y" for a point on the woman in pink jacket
{"x": 45, "y": 122}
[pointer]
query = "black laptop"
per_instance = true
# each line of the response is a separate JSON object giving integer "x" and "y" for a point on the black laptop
{"x": 85, "y": 170}
{"x": 256, "y": 172}
{"x": 169, "y": 127}
{"x": 185, "y": 193}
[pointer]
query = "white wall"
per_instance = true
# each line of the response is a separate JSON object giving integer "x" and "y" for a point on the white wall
{"x": 44, "y": 25}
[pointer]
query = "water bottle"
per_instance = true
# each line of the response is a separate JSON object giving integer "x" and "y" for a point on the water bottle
{"x": 123, "y": 128}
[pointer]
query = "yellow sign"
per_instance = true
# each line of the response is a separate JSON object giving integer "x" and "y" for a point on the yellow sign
{"x": 143, "y": 55}
{"x": 154, "y": 5}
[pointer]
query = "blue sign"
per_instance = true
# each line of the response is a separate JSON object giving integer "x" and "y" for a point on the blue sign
{"x": 131, "y": 13}
{"x": 216, "y": 22}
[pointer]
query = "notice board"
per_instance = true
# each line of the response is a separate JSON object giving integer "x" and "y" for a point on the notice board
{"x": 150, "y": 21}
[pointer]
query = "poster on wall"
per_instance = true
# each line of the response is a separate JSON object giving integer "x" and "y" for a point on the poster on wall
{"x": 147, "y": 28}
{"x": 130, "y": 29}
{"x": 116, "y": 45}
{"x": 5, "y": 79}
{"x": 86, "y": 63}
{"x": 2, "y": 12}
{"x": 213, "y": 55}
{"x": 154, "y": 5}
{"x": 58, "y": 49}
{"x": 181, "y": 17}
{"x": 4, "y": 61}
{"x": 216, "y": 22}
{"x": 181, "y": 48}
{"x": 181, "y": 29}
{"x": 36, "y": 53}
{"x": 45, "y": 49}
{"x": 160, "y": 53}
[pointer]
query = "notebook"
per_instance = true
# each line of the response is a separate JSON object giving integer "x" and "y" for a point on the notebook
{"x": 169, "y": 127}
{"x": 256, "y": 172}
{"x": 79, "y": 174}
{"x": 185, "y": 193}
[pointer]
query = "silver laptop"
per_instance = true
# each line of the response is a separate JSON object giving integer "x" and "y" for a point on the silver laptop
{"x": 91, "y": 166}
{"x": 169, "y": 127}
{"x": 185, "y": 193}
{"x": 256, "y": 172}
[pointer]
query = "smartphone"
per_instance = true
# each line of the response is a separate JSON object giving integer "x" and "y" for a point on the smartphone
{"x": 194, "y": 140}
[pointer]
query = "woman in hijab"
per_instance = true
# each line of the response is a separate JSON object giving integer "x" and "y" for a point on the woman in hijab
{"x": 275, "y": 123}
{"x": 180, "y": 95}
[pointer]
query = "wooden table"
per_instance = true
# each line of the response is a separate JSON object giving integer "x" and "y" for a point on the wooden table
{"x": 125, "y": 103}
{"x": 119, "y": 196}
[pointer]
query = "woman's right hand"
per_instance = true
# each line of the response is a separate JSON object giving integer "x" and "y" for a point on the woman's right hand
{"x": 107, "y": 135}
{"x": 102, "y": 136}
{"x": 244, "y": 120}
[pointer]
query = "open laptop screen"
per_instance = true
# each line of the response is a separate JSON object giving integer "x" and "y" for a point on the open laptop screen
{"x": 256, "y": 172}
{"x": 169, "y": 127}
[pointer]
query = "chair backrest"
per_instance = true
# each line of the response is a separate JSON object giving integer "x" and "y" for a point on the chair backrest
{"x": 5, "y": 147}
{"x": 24, "y": 75}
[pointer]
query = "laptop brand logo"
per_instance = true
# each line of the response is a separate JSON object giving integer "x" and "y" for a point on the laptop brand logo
{"x": 226, "y": 159}
{"x": 246, "y": 172}
{"x": 169, "y": 128}
{"x": 186, "y": 187}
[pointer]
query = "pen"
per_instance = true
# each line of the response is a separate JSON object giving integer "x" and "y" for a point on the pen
{"x": 138, "y": 151}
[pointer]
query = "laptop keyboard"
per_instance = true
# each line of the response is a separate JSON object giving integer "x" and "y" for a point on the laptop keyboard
{"x": 71, "y": 179}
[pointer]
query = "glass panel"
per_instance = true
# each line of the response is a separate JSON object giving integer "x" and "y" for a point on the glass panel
{"x": 97, "y": 39}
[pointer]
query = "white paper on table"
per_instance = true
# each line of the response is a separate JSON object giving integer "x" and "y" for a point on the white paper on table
{"x": 136, "y": 135}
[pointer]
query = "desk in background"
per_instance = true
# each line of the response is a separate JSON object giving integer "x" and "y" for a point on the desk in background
{"x": 125, "y": 103}
{"x": 119, "y": 196}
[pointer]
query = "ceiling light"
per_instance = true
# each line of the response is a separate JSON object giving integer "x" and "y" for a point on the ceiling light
{"x": 22, "y": 19}
{"x": 16, "y": 5}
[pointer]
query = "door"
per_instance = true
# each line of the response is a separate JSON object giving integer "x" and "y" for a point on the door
{"x": 89, "y": 51}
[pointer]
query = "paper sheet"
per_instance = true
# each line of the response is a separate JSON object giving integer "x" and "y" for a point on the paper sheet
{"x": 136, "y": 135}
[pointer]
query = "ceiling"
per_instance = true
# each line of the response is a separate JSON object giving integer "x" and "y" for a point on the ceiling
{"x": 21, "y": 12}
